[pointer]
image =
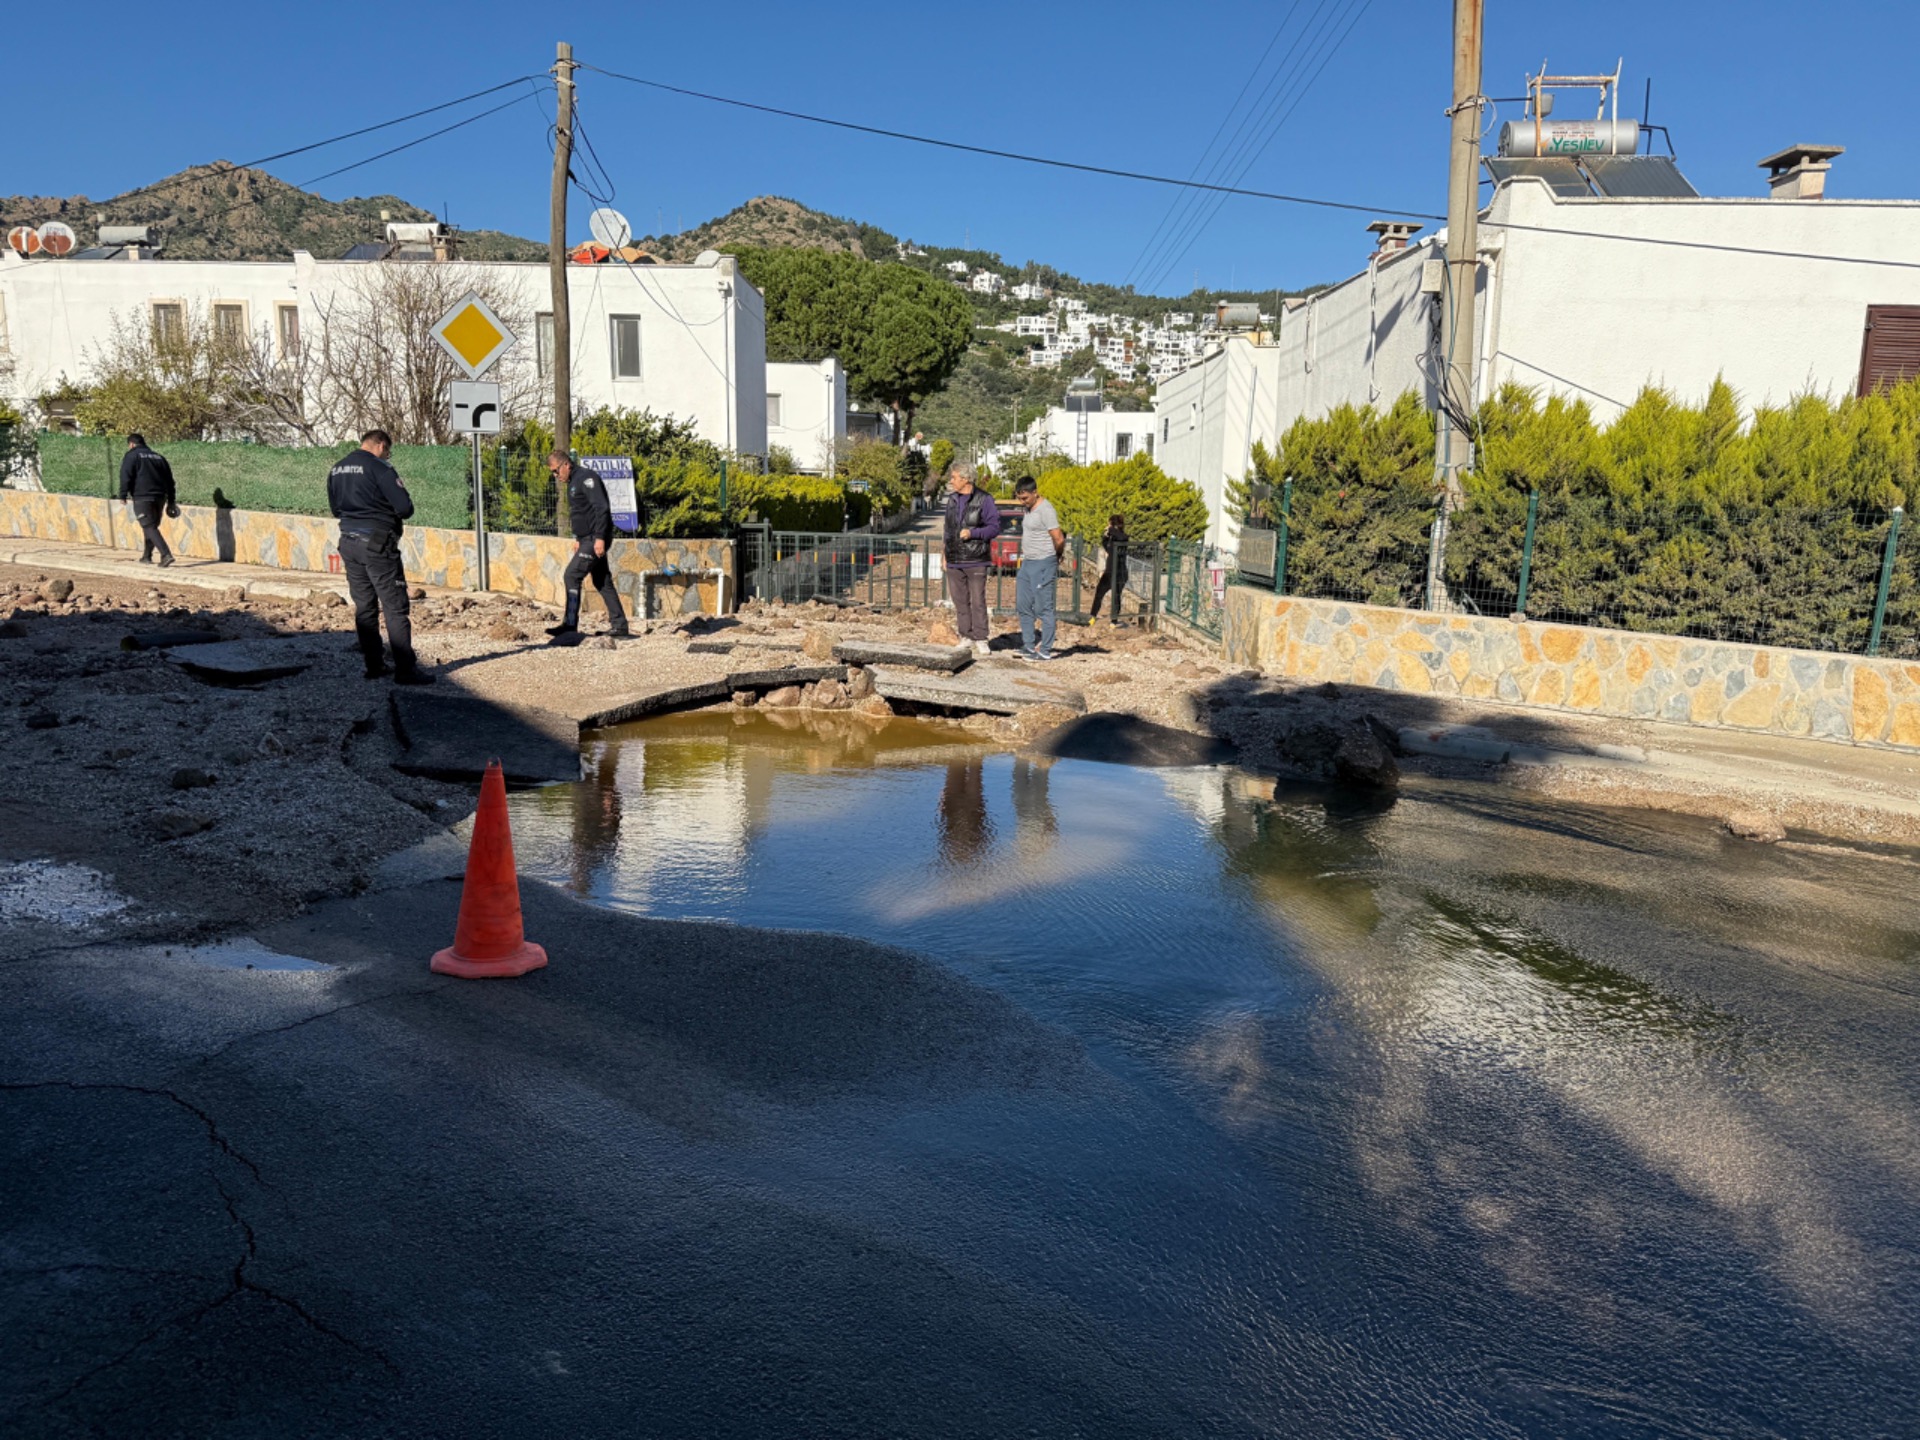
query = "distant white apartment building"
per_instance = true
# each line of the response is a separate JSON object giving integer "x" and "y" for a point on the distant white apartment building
{"x": 987, "y": 282}
{"x": 687, "y": 341}
{"x": 1036, "y": 325}
{"x": 1026, "y": 290}
{"x": 1069, "y": 305}
{"x": 1179, "y": 319}
{"x": 807, "y": 411}
{"x": 1115, "y": 352}
{"x": 957, "y": 268}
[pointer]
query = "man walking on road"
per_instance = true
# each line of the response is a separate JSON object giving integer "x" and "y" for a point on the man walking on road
{"x": 371, "y": 503}
{"x": 1041, "y": 541}
{"x": 592, "y": 517}
{"x": 147, "y": 480}
{"x": 972, "y": 522}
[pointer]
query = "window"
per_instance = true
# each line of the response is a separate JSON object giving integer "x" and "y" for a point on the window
{"x": 169, "y": 322}
{"x": 1122, "y": 446}
{"x": 626, "y": 347}
{"x": 287, "y": 329}
{"x": 1891, "y": 351}
{"x": 229, "y": 324}
{"x": 1166, "y": 429}
{"x": 543, "y": 343}
{"x": 1149, "y": 444}
{"x": 773, "y": 410}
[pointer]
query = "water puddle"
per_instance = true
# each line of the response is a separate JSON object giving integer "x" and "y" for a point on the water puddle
{"x": 70, "y": 896}
{"x": 1466, "y": 1074}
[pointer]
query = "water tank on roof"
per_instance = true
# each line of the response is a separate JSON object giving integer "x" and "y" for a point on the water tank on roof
{"x": 127, "y": 235}
{"x": 412, "y": 232}
{"x": 1238, "y": 315}
{"x": 1570, "y": 137}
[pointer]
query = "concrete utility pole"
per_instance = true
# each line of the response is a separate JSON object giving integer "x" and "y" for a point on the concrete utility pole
{"x": 1455, "y": 449}
{"x": 557, "y": 263}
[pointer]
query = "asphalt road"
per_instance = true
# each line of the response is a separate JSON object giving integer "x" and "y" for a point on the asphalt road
{"x": 367, "y": 1200}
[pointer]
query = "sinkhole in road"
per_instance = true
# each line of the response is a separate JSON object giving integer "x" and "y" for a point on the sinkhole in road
{"x": 1519, "y": 1116}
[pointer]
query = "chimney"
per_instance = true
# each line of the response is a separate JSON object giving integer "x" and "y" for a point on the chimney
{"x": 1394, "y": 234}
{"x": 1799, "y": 172}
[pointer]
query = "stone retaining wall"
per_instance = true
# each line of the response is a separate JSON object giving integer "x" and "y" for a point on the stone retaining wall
{"x": 1565, "y": 667}
{"x": 677, "y": 576}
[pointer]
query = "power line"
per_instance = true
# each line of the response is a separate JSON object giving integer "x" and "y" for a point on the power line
{"x": 1014, "y": 154}
{"x": 421, "y": 140}
{"x": 322, "y": 144}
{"x": 1229, "y": 168}
{"x": 1315, "y": 201}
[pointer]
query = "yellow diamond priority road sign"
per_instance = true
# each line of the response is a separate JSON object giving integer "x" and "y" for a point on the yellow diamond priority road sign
{"x": 473, "y": 335}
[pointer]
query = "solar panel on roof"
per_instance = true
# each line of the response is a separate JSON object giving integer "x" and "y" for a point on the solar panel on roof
{"x": 1639, "y": 177}
{"x": 1563, "y": 177}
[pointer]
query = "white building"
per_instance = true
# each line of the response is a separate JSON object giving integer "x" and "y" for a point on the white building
{"x": 958, "y": 269}
{"x": 1026, "y": 290}
{"x": 682, "y": 340}
{"x": 1039, "y": 326}
{"x": 807, "y": 411}
{"x": 1105, "y": 435}
{"x": 1591, "y": 295}
{"x": 987, "y": 282}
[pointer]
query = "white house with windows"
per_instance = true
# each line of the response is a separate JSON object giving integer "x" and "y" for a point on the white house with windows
{"x": 957, "y": 268}
{"x": 987, "y": 282}
{"x": 1027, "y": 291}
{"x": 807, "y": 411}
{"x": 1037, "y": 326}
{"x": 1106, "y": 435}
{"x": 682, "y": 340}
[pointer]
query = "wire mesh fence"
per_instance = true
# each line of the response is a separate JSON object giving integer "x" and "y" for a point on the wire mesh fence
{"x": 1196, "y": 586}
{"x": 1829, "y": 578}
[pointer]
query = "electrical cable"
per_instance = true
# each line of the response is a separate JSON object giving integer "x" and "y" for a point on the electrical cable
{"x": 1245, "y": 85}
{"x": 421, "y": 140}
{"x": 990, "y": 152}
{"x": 1325, "y": 57}
{"x": 317, "y": 144}
{"x": 1192, "y": 202}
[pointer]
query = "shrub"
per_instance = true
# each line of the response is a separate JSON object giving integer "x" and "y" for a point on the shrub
{"x": 1156, "y": 505}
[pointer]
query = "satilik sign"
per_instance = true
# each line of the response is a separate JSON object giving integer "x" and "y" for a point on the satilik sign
{"x": 616, "y": 474}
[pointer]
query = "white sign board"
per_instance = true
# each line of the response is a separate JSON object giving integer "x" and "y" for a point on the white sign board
{"x": 616, "y": 477}
{"x": 474, "y": 408}
{"x": 926, "y": 565}
{"x": 473, "y": 335}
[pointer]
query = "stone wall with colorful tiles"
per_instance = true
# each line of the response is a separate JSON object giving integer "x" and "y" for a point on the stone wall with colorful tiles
{"x": 1565, "y": 667}
{"x": 676, "y": 576}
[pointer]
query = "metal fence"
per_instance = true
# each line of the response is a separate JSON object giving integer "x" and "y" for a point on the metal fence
{"x": 1196, "y": 585}
{"x": 908, "y": 572}
{"x": 1815, "y": 578}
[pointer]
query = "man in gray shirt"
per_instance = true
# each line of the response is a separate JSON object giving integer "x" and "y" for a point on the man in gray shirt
{"x": 1041, "y": 541}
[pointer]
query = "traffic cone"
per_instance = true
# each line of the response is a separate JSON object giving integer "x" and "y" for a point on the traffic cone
{"x": 489, "y": 941}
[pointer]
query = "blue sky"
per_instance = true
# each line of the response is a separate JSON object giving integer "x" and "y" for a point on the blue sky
{"x": 1129, "y": 85}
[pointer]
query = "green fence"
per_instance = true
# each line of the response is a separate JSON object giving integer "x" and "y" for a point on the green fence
{"x": 1831, "y": 578}
{"x": 276, "y": 478}
{"x": 1195, "y": 584}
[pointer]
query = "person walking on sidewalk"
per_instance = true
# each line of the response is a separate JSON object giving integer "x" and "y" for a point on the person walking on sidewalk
{"x": 972, "y": 523}
{"x": 1114, "y": 576}
{"x": 1041, "y": 541}
{"x": 371, "y": 503}
{"x": 147, "y": 481}
{"x": 591, "y": 515}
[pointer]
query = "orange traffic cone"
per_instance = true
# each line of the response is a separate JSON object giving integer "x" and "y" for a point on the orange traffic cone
{"x": 489, "y": 940}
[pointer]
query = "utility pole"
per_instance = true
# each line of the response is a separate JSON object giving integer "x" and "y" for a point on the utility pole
{"x": 1455, "y": 450}
{"x": 557, "y": 263}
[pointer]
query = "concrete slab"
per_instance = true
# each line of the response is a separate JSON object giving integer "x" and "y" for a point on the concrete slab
{"x": 711, "y": 647}
{"x": 784, "y": 675}
{"x": 655, "y": 702}
{"x": 167, "y": 639}
{"x": 950, "y": 659}
{"x": 251, "y": 662}
{"x": 450, "y": 736}
{"x": 988, "y": 688}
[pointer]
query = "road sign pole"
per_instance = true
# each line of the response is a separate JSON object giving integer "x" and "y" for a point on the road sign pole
{"x": 481, "y": 580}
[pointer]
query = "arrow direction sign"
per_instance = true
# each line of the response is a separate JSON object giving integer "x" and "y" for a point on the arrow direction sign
{"x": 473, "y": 335}
{"x": 474, "y": 408}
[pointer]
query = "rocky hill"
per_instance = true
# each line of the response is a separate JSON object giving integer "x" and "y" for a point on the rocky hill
{"x": 772, "y": 222}
{"x": 224, "y": 212}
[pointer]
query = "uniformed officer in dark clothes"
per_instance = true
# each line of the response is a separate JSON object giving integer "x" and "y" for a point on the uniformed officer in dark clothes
{"x": 147, "y": 480}
{"x": 592, "y": 516}
{"x": 370, "y": 502}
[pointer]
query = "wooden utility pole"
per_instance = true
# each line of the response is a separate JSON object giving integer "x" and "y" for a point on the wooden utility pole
{"x": 1455, "y": 450}
{"x": 557, "y": 262}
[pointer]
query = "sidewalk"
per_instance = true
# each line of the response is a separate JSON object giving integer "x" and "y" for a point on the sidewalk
{"x": 255, "y": 581}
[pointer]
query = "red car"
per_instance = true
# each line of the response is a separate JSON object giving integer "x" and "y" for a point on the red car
{"x": 1004, "y": 553}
